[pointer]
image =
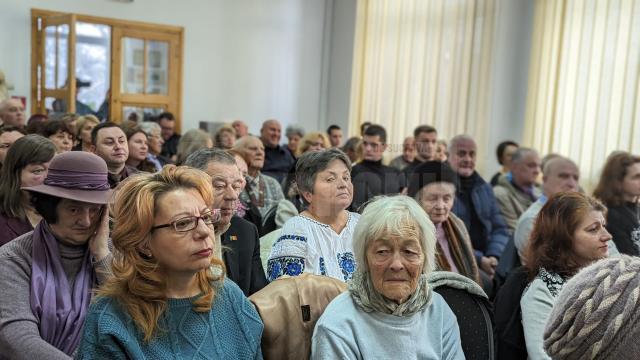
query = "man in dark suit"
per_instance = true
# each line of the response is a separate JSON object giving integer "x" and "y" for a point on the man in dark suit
{"x": 239, "y": 237}
{"x": 242, "y": 244}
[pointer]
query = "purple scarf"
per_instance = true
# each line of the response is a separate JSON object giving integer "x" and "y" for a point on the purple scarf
{"x": 59, "y": 309}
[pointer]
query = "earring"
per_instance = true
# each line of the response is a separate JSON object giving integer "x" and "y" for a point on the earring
{"x": 146, "y": 256}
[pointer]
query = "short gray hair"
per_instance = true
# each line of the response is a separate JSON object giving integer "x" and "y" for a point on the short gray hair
{"x": 553, "y": 163}
{"x": 453, "y": 143}
{"x": 313, "y": 162}
{"x": 148, "y": 126}
{"x": 294, "y": 130}
{"x": 521, "y": 153}
{"x": 190, "y": 142}
{"x": 398, "y": 211}
{"x": 201, "y": 158}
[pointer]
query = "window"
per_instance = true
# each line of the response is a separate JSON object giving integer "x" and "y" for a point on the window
{"x": 123, "y": 70}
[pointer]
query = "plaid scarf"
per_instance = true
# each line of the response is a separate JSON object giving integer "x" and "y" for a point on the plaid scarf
{"x": 460, "y": 249}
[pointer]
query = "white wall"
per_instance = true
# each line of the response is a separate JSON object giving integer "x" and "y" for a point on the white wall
{"x": 284, "y": 59}
{"x": 247, "y": 59}
{"x": 341, "y": 63}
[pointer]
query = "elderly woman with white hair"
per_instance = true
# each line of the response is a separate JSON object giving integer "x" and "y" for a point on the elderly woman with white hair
{"x": 390, "y": 310}
{"x": 154, "y": 143}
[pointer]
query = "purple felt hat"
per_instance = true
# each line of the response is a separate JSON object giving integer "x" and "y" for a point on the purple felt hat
{"x": 76, "y": 175}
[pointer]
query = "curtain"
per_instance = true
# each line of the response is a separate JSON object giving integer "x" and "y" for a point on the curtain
{"x": 423, "y": 62}
{"x": 584, "y": 86}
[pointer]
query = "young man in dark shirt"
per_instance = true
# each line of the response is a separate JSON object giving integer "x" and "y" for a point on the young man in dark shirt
{"x": 369, "y": 177}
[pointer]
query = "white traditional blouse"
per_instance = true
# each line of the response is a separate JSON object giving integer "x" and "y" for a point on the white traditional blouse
{"x": 306, "y": 245}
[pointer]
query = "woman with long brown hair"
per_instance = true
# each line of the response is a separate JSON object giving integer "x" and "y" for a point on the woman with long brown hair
{"x": 26, "y": 164}
{"x": 169, "y": 297}
{"x": 619, "y": 189}
{"x": 569, "y": 234}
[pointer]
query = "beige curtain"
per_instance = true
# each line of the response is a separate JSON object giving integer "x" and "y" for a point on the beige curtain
{"x": 584, "y": 89}
{"x": 423, "y": 62}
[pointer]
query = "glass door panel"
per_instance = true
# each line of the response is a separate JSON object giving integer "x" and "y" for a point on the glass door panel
{"x": 140, "y": 114}
{"x": 157, "y": 67}
{"x": 56, "y": 62}
{"x": 93, "y": 68}
{"x": 56, "y": 56}
{"x": 133, "y": 55}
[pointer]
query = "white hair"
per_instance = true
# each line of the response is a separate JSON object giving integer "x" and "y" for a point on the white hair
{"x": 388, "y": 214}
{"x": 149, "y": 126}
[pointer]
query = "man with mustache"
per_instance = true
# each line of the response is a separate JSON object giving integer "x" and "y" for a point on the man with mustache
{"x": 242, "y": 259}
{"x": 110, "y": 143}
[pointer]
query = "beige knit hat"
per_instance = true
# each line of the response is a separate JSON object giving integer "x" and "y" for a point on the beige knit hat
{"x": 597, "y": 314}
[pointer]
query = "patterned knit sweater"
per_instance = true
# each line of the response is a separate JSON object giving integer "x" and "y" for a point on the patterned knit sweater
{"x": 231, "y": 330}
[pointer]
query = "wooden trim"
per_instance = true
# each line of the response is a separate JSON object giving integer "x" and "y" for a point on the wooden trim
{"x": 145, "y": 98}
{"x": 35, "y": 55}
{"x": 71, "y": 66}
{"x": 113, "y": 22}
{"x": 56, "y": 93}
{"x": 178, "y": 97}
{"x": 115, "y": 108}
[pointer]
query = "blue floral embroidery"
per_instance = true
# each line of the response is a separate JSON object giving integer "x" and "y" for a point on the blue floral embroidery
{"x": 323, "y": 267}
{"x": 292, "y": 237}
{"x": 292, "y": 266}
{"x": 347, "y": 264}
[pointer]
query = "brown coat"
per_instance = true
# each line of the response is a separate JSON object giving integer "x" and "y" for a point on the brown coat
{"x": 289, "y": 308}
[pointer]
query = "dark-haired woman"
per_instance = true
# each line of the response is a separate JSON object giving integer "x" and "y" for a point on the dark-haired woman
{"x": 619, "y": 189}
{"x": 60, "y": 133}
{"x": 26, "y": 164}
{"x": 138, "y": 142}
{"x": 569, "y": 234}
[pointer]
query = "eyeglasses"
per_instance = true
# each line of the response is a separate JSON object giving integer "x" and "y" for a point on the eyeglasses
{"x": 189, "y": 223}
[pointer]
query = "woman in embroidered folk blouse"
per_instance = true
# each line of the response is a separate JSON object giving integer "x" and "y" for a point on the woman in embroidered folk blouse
{"x": 319, "y": 239}
{"x": 569, "y": 234}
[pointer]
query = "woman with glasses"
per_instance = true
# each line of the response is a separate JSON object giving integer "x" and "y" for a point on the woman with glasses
{"x": 169, "y": 297}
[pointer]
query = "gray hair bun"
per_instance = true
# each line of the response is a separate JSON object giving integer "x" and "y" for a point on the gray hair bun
{"x": 596, "y": 316}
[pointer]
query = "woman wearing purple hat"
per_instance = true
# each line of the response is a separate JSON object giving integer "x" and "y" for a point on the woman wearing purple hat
{"x": 48, "y": 274}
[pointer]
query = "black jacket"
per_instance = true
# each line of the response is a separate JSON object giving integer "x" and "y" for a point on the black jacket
{"x": 623, "y": 224}
{"x": 371, "y": 178}
{"x": 242, "y": 256}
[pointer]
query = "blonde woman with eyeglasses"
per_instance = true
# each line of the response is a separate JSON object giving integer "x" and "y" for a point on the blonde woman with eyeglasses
{"x": 169, "y": 297}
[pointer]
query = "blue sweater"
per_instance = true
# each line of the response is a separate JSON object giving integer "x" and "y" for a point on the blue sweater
{"x": 231, "y": 330}
{"x": 345, "y": 331}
